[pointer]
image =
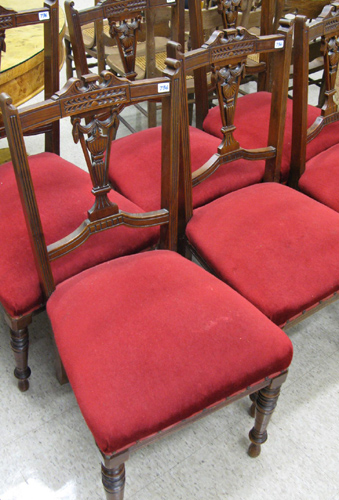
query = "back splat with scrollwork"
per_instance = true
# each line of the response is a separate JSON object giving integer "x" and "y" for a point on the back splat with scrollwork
{"x": 94, "y": 107}
{"x": 124, "y": 19}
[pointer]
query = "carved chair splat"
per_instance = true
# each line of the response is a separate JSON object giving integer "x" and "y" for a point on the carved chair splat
{"x": 119, "y": 44}
{"x": 56, "y": 179}
{"x": 251, "y": 238}
{"x": 134, "y": 315}
{"x": 142, "y": 185}
{"x": 315, "y": 136}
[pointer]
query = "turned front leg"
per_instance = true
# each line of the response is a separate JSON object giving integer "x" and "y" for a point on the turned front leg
{"x": 19, "y": 344}
{"x": 265, "y": 403}
{"x": 113, "y": 480}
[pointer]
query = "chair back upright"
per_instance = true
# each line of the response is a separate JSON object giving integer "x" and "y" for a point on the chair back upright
{"x": 49, "y": 17}
{"x": 87, "y": 101}
{"x": 124, "y": 19}
{"x": 225, "y": 54}
{"x": 325, "y": 27}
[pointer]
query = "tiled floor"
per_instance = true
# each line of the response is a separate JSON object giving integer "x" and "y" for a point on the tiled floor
{"x": 47, "y": 452}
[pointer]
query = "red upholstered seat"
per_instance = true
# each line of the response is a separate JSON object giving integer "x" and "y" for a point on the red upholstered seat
{"x": 274, "y": 245}
{"x": 252, "y": 122}
{"x": 321, "y": 177}
{"x": 136, "y": 374}
{"x": 64, "y": 196}
{"x": 135, "y": 168}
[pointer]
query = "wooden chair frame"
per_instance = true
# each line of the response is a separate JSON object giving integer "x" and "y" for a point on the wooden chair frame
{"x": 221, "y": 45}
{"x": 82, "y": 100}
{"x": 124, "y": 20}
{"x": 91, "y": 100}
{"x": 49, "y": 16}
{"x": 326, "y": 27}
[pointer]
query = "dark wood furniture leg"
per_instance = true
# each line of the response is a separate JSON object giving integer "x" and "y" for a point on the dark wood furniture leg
{"x": 253, "y": 398}
{"x": 113, "y": 480}
{"x": 265, "y": 404}
{"x": 19, "y": 344}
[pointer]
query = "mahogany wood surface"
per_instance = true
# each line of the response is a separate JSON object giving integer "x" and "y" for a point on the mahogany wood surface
{"x": 125, "y": 22}
{"x": 226, "y": 53}
{"x": 326, "y": 27}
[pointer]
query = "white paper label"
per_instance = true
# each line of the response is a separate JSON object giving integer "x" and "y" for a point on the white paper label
{"x": 279, "y": 44}
{"x": 43, "y": 16}
{"x": 163, "y": 87}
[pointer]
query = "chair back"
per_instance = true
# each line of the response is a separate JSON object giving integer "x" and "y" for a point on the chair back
{"x": 225, "y": 55}
{"x": 49, "y": 17}
{"x": 308, "y": 8}
{"x": 124, "y": 19}
{"x": 94, "y": 108}
{"x": 326, "y": 28}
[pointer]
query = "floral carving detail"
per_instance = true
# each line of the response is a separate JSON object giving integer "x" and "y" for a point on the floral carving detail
{"x": 125, "y": 34}
{"x": 6, "y": 22}
{"x": 116, "y": 7}
{"x": 333, "y": 55}
{"x": 100, "y": 98}
{"x": 227, "y": 81}
{"x": 96, "y": 148}
{"x": 229, "y": 11}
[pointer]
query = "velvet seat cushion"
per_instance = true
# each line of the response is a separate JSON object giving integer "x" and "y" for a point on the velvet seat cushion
{"x": 150, "y": 339}
{"x": 321, "y": 178}
{"x": 135, "y": 168}
{"x": 64, "y": 195}
{"x": 274, "y": 245}
{"x": 252, "y": 122}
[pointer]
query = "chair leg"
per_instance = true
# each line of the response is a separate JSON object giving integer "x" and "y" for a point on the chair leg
{"x": 19, "y": 344}
{"x": 113, "y": 480}
{"x": 265, "y": 404}
{"x": 61, "y": 374}
{"x": 253, "y": 398}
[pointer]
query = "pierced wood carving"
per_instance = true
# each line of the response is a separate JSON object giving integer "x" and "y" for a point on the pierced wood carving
{"x": 229, "y": 11}
{"x": 96, "y": 149}
{"x": 86, "y": 94}
{"x": 330, "y": 18}
{"x": 115, "y": 8}
{"x": 226, "y": 44}
{"x": 227, "y": 81}
{"x": 126, "y": 34}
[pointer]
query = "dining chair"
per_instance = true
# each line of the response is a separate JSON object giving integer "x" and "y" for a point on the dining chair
{"x": 142, "y": 185}
{"x": 275, "y": 246}
{"x": 255, "y": 108}
{"x": 142, "y": 357}
{"x": 49, "y": 17}
{"x": 63, "y": 191}
{"x": 315, "y": 150}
